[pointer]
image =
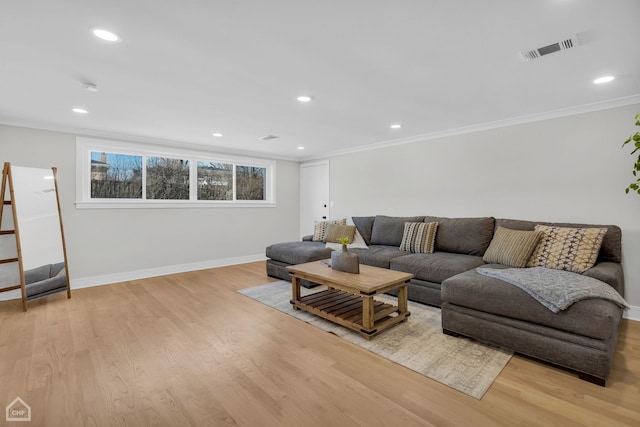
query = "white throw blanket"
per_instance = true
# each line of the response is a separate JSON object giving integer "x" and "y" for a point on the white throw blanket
{"x": 555, "y": 289}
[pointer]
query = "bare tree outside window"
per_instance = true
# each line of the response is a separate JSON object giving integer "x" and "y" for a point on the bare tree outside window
{"x": 167, "y": 179}
{"x": 134, "y": 179}
{"x": 116, "y": 176}
{"x": 215, "y": 181}
{"x": 250, "y": 183}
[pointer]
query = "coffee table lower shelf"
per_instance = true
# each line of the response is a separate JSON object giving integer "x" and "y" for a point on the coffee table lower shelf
{"x": 346, "y": 309}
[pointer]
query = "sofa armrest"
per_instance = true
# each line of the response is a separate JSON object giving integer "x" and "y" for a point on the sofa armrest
{"x": 608, "y": 272}
{"x": 308, "y": 238}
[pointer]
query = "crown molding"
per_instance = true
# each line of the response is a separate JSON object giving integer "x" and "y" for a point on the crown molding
{"x": 89, "y": 133}
{"x": 547, "y": 115}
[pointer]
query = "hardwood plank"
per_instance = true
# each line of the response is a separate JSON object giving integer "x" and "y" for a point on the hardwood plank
{"x": 188, "y": 350}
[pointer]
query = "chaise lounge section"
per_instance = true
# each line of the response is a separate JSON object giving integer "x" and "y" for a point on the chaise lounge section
{"x": 581, "y": 338}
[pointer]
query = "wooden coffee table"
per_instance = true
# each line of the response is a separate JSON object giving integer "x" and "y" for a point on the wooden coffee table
{"x": 349, "y": 300}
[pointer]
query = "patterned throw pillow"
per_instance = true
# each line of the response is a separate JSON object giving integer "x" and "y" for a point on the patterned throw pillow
{"x": 419, "y": 237}
{"x": 336, "y": 231}
{"x": 571, "y": 249}
{"x": 320, "y": 228}
{"x": 511, "y": 247}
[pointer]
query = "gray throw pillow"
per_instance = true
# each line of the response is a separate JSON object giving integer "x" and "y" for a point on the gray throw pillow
{"x": 364, "y": 224}
{"x": 388, "y": 230}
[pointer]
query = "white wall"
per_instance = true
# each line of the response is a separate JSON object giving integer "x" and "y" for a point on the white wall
{"x": 569, "y": 169}
{"x": 566, "y": 169}
{"x": 111, "y": 244}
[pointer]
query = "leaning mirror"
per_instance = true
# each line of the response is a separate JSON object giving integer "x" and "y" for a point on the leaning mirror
{"x": 38, "y": 231}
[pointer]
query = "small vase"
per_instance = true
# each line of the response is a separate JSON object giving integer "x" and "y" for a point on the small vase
{"x": 345, "y": 261}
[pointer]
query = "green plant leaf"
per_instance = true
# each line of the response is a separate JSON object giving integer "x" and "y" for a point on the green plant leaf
{"x": 343, "y": 240}
{"x": 636, "y": 166}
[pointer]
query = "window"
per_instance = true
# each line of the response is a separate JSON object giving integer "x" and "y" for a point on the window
{"x": 167, "y": 179}
{"x": 250, "y": 182}
{"x": 215, "y": 181}
{"x": 116, "y": 176}
{"x": 112, "y": 174}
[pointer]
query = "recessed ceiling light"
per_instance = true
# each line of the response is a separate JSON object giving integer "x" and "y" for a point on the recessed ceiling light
{"x": 396, "y": 126}
{"x": 79, "y": 110}
{"x": 216, "y": 134}
{"x": 300, "y": 148}
{"x": 105, "y": 35}
{"x": 304, "y": 98}
{"x": 605, "y": 79}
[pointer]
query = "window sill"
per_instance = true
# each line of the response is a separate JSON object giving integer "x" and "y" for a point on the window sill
{"x": 174, "y": 204}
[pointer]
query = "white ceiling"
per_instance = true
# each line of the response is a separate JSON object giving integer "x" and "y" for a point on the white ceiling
{"x": 185, "y": 69}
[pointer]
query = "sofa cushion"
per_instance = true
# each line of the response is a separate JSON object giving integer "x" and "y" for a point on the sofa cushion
{"x": 378, "y": 255}
{"x": 320, "y": 228}
{"x": 298, "y": 252}
{"x": 435, "y": 267}
{"x": 511, "y": 247}
{"x": 591, "y": 317}
{"x": 388, "y": 230}
{"x": 57, "y": 270}
{"x": 469, "y": 236}
{"x": 570, "y": 249}
{"x": 337, "y": 231}
{"x": 46, "y": 286}
{"x": 364, "y": 224}
{"x": 419, "y": 237}
{"x": 37, "y": 274}
{"x": 611, "y": 249}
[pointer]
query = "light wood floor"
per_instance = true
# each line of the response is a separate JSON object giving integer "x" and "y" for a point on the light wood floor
{"x": 187, "y": 350}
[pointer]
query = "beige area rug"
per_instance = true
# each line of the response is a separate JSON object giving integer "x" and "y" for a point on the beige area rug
{"x": 418, "y": 344}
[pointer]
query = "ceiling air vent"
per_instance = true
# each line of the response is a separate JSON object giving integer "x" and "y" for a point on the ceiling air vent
{"x": 269, "y": 137}
{"x": 546, "y": 50}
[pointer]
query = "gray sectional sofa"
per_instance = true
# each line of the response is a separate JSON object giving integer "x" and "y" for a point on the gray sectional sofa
{"x": 582, "y": 337}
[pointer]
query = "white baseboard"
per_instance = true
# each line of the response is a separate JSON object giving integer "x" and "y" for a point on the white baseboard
{"x": 87, "y": 282}
{"x": 632, "y": 314}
